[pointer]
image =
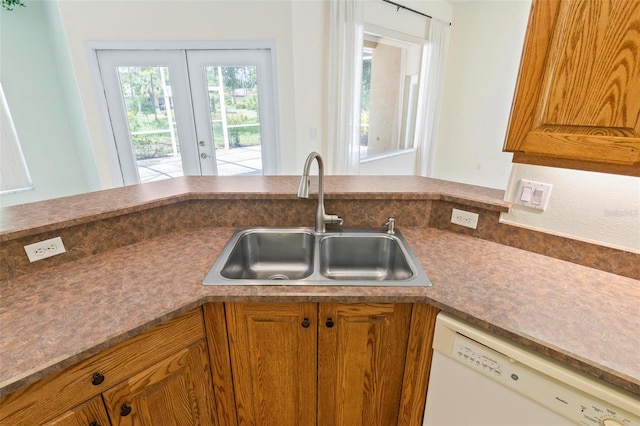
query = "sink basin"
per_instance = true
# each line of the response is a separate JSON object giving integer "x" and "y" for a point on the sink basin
{"x": 363, "y": 257}
{"x": 270, "y": 255}
{"x": 303, "y": 256}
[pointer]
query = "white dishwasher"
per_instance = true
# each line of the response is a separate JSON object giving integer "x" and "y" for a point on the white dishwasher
{"x": 480, "y": 379}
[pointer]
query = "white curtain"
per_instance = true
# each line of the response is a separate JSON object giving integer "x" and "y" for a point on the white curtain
{"x": 14, "y": 175}
{"x": 434, "y": 58}
{"x": 345, "y": 79}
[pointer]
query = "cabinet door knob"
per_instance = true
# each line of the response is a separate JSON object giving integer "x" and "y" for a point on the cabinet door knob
{"x": 97, "y": 379}
{"x": 125, "y": 410}
{"x": 94, "y": 424}
{"x": 329, "y": 323}
{"x": 306, "y": 323}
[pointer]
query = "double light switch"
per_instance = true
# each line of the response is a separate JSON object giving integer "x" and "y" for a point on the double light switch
{"x": 533, "y": 194}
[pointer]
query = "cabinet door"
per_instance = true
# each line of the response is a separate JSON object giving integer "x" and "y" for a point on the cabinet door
{"x": 273, "y": 357}
{"x": 361, "y": 360}
{"x": 91, "y": 413}
{"x": 62, "y": 391}
{"x": 577, "y": 100}
{"x": 175, "y": 391}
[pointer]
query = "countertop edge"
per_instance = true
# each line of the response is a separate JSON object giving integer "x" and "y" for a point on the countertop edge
{"x": 632, "y": 385}
{"x": 137, "y": 198}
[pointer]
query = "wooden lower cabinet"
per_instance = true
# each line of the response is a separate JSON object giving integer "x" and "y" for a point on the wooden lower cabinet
{"x": 160, "y": 377}
{"x": 324, "y": 364}
{"x": 91, "y": 413}
{"x": 328, "y": 364}
{"x": 175, "y": 391}
{"x": 273, "y": 356}
{"x": 361, "y": 361}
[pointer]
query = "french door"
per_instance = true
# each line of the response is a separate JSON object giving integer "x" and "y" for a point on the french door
{"x": 190, "y": 112}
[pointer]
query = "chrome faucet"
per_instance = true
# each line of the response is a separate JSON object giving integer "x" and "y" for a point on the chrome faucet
{"x": 303, "y": 192}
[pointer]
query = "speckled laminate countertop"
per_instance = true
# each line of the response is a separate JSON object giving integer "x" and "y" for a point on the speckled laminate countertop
{"x": 58, "y": 316}
{"x": 17, "y": 221}
{"x": 55, "y": 316}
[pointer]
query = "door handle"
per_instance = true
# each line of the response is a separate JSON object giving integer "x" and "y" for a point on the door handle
{"x": 204, "y": 156}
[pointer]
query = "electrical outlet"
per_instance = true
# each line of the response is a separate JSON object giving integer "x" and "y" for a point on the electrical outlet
{"x": 43, "y": 249}
{"x": 463, "y": 218}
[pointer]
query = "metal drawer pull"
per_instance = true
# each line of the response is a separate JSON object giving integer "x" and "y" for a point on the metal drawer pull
{"x": 97, "y": 379}
{"x": 125, "y": 410}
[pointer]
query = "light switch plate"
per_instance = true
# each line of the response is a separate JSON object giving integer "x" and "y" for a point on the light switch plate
{"x": 533, "y": 194}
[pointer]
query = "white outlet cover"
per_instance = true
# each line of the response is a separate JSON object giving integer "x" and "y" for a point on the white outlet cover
{"x": 464, "y": 218}
{"x": 43, "y": 249}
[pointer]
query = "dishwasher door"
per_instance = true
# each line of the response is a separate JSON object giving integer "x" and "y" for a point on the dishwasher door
{"x": 480, "y": 379}
{"x": 458, "y": 396}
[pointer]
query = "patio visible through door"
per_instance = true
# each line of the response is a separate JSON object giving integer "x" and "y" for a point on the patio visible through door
{"x": 190, "y": 112}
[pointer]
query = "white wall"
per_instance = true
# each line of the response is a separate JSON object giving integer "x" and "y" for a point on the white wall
{"x": 183, "y": 21}
{"x": 309, "y": 30}
{"x": 34, "y": 72}
{"x": 595, "y": 207}
{"x": 484, "y": 56}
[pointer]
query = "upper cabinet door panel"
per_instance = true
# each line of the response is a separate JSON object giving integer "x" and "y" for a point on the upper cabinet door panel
{"x": 578, "y": 91}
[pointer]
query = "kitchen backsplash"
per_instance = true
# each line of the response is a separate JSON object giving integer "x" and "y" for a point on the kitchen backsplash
{"x": 93, "y": 237}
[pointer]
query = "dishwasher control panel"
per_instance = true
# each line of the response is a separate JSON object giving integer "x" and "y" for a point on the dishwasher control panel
{"x": 516, "y": 373}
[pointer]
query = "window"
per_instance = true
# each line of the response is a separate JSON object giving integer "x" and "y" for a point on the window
{"x": 391, "y": 70}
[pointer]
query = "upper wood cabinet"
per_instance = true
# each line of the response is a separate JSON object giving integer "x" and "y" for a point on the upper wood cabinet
{"x": 577, "y": 100}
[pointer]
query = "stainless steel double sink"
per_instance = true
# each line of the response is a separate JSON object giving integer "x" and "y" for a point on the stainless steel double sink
{"x": 302, "y": 256}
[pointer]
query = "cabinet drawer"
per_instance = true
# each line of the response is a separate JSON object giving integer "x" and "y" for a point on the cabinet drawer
{"x": 64, "y": 390}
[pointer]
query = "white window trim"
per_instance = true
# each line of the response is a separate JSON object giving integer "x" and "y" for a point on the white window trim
{"x": 388, "y": 155}
{"x": 402, "y": 37}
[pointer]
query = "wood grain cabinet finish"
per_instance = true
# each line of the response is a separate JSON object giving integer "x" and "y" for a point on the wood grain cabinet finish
{"x": 577, "y": 100}
{"x": 167, "y": 365}
{"x": 327, "y": 364}
{"x": 273, "y": 357}
{"x": 91, "y": 413}
{"x": 175, "y": 391}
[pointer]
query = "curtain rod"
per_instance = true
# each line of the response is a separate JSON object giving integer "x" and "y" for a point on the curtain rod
{"x": 399, "y": 6}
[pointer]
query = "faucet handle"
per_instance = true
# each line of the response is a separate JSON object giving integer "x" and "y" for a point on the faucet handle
{"x": 390, "y": 224}
{"x": 333, "y": 219}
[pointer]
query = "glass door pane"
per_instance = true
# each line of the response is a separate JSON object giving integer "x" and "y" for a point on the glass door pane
{"x": 151, "y": 121}
{"x": 235, "y": 121}
{"x": 150, "y": 113}
{"x": 229, "y": 88}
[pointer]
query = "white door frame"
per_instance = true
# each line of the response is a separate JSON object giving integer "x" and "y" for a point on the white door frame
{"x": 91, "y": 48}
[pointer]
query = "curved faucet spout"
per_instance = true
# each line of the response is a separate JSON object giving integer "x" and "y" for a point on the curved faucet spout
{"x": 303, "y": 192}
